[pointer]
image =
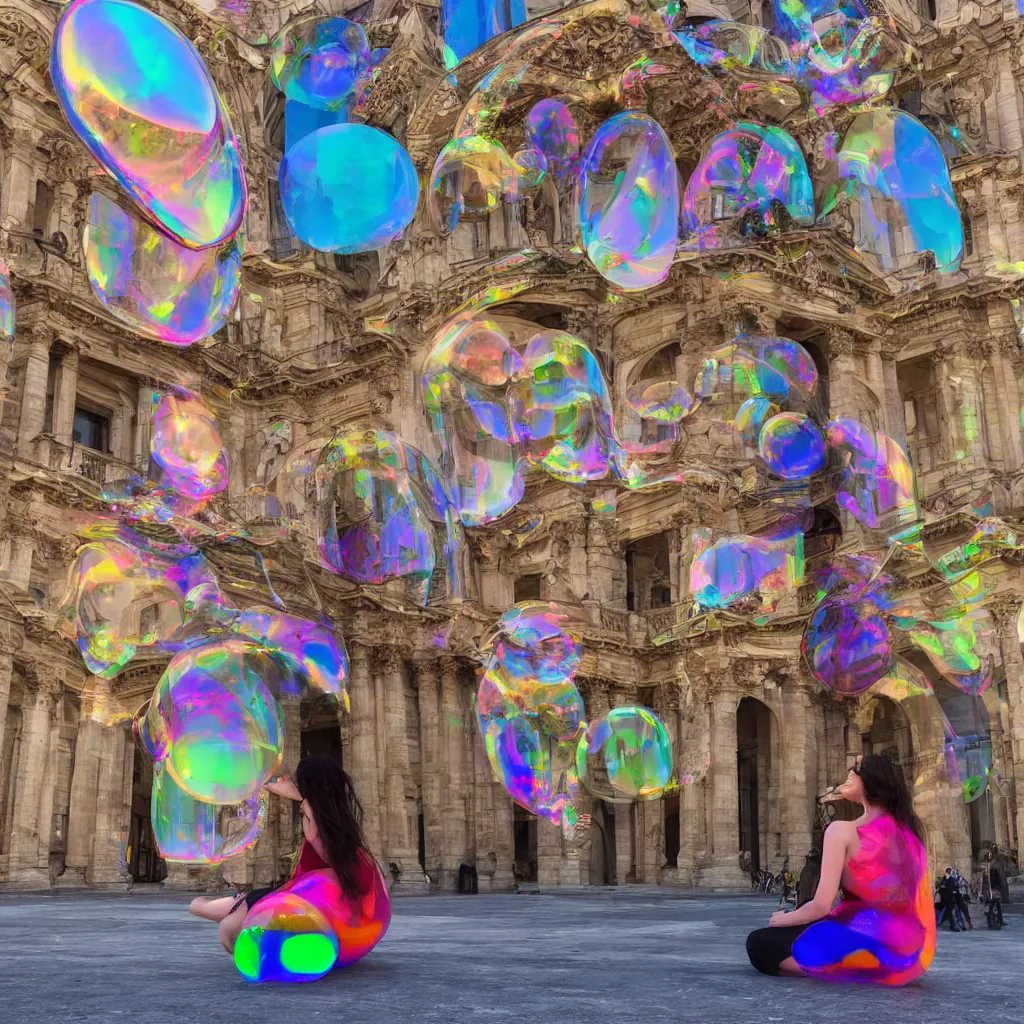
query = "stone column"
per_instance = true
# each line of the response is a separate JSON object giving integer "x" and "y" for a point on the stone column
{"x": 799, "y": 767}
{"x": 30, "y": 832}
{"x": 65, "y": 388}
{"x": 842, "y": 365}
{"x": 428, "y": 677}
{"x": 453, "y": 814}
{"x": 694, "y": 840}
{"x": 724, "y": 815}
{"x": 504, "y": 839}
{"x": 398, "y": 775}
{"x": 361, "y": 759}
{"x": 1013, "y": 663}
{"x": 895, "y": 416}
{"x": 111, "y": 813}
{"x": 6, "y": 671}
{"x": 82, "y": 812}
{"x": 33, "y": 390}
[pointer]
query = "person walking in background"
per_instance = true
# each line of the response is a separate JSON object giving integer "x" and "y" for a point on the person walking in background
{"x": 961, "y": 896}
{"x": 947, "y": 901}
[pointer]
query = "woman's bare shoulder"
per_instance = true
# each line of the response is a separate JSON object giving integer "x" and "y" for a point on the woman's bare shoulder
{"x": 841, "y": 829}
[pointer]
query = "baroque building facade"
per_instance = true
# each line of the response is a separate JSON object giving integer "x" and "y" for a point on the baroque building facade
{"x": 321, "y": 343}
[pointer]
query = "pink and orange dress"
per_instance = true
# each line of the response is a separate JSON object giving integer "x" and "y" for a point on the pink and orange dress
{"x": 883, "y": 929}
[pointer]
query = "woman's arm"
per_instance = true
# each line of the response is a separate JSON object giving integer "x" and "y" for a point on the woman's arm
{"x": 283, "y": 786}
{"x": 833, "y": 860}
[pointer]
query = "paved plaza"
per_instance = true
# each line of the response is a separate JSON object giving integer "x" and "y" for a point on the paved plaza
{"x": 620, "y": 956}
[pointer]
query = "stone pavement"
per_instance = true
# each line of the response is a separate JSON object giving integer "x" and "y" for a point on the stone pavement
{"x": 617, "y": 956}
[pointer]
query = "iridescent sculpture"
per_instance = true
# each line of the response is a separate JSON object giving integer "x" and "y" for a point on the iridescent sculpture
{"x": 894, "y": 175}
{"x": 348, "y": 188}
{"x": 751, "y": 182}
{"x": 153, "y": 284}
{"x": 629, "y": 202}
{"x": 138, "y": 95}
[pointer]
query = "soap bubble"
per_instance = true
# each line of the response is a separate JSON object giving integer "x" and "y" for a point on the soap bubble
{"x": 285, "y": 938}
{"x": 537, "y": 639}
{"x": 317, "y": 61}
{"x": 465, "y": 27}
{"x": 530, "y": 166}
{"x": 186, "y": 449}
{"x": 953, "y": 648}
{"x": 751, "y": 182}
{"x": 666, "y": 401}
{"x": 847, "y": 645}
{"x": 380, "y": 501}
{"x": 153, "y": 284}
{"x": 625, "y": 756}
{"x": 745, "y": 573}
{"x": 348, "y": 188}
{"x": 6, "y": 302}
{"x": 470, "y": 177}
{"x": 751, "y": 417}
{"x": 138, "y": 95}
{"x": 718, "y": 43}
{"x": 791, "y": 446}
{"x": 903, "y": 205}
{"x": 877, "y": 483}
{"x": 214, "y": 714}
{"x": 551, "y": 128}
{"x": 629, "y": 202}
{"x": 191, "y": 831}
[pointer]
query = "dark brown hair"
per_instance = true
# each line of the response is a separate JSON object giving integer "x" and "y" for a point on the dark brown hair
{"x": 885, "y": 786}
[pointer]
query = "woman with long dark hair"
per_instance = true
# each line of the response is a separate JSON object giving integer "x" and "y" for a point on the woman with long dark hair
{"x": 883, "y": 929}
{"x": 332, "y": 839}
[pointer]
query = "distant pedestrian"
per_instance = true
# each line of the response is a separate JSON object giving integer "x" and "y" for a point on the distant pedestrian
{"x": 947, "y": 901}
{"x": 960, "y": 897}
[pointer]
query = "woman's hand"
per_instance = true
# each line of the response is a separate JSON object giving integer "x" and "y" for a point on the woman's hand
{"x": 779, "y": 919}
{"x": 284, "y": 787}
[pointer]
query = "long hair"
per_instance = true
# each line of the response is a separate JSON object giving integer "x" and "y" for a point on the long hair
{"x": 338, "y": 815}
{"x": 885, "y": 787}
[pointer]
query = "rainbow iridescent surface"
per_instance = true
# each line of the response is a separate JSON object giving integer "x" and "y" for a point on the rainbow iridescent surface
{"x": 629, "y": 202}
{"x": 317, "y": 61}
{"x": 153, "y": 284}
{"x": 348, "y": 188}
{"x": 186, "y": 448}
{"x": 6, "y": 302}
{"x": 138, "y": 95}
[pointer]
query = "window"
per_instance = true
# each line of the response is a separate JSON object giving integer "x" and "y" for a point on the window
{"x": 968, "y": 236}
{"x": 41, "y": 209}
{"x": 91, "y": 429}
{"x": 527, "y": 588}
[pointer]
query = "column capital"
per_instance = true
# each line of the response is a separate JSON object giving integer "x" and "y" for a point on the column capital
{"x": 840, "y": 341}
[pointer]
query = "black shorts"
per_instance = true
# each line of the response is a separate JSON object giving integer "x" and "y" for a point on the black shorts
{"x": 768, "y": 947}
{"x": 249, "y": 898}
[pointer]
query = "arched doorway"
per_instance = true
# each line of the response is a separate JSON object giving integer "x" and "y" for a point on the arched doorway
{"x": 145, "y": 862}
{"x": 889, "y": 734}
{"x": 758, "y": 793}
{"x": 602, "y": 844}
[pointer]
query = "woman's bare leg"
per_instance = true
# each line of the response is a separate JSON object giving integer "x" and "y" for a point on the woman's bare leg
{"x": 791, "y": 968}
{"x": 212, "y": 909}
{"x": 231, "y": 928}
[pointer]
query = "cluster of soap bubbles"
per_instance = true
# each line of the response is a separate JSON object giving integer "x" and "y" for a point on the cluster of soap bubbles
{"x": 6, "y": 302}
{"x": 496, "y": 413}
{"x": 162, "y": 253}
{"x": 534, "y": 726}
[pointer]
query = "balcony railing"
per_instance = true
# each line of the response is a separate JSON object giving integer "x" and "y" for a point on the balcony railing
{"x": 99, "y": 467}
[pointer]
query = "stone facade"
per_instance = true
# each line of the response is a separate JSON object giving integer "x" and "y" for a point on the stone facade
{"x": 939, "y": 368}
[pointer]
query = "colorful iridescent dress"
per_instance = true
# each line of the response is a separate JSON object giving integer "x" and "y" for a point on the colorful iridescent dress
{"x": 883, "y": 930}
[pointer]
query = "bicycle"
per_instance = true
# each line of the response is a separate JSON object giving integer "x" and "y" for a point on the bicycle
{"x": 994, "y": 914}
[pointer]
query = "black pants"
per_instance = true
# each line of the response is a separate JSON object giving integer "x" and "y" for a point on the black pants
{"x": 768, "y": 947}
{"x": 249, "y": 898}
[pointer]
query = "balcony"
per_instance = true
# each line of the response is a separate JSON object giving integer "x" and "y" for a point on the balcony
{"x": 101, "y": 468}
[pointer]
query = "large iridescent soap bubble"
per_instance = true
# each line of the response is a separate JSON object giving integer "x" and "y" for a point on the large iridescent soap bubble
{"x": 751, "y": 182}
{"x": 792, "y": 446}
{"x": 952, "y": 647}
{"x": 348, "y": 188}
{"x": 382, "y": 503}
{"x": 629, "y": 202}
{"x": 466, "y": 25}
{"x": 110, "y": 584}
{"x": 191, "y": 831}
{"x": 317, "y": 61}
{"x": 464, "y": 387}
{"x": 285, "y": 938}
{"x": 551, "y": 128}
{"x": 153, "y": 284}
{"x": 877, "y": 481}
{"x": 718, "y": 43}
{"x": 893, "y": 172}
{"x": 666, "y": 401}
{"x": 186, "y": 451}
{"x": 745, "y": 573}
{"x": 470, "y": 178}
{"x": 214, "y": 715}
{"x": 847, "y": 645}
{"x": 625, "y": 756}
{"x": 139, "y": 96}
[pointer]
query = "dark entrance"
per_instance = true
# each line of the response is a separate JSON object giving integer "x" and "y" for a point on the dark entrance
{"x": 524, "y": 825}
{"x": 145, "y": 864}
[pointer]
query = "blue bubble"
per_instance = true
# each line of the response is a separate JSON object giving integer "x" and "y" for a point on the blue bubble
{"x": 348, "y": 188}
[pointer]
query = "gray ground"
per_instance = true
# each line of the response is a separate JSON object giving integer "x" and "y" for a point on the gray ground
{"x": 625, "y": 956}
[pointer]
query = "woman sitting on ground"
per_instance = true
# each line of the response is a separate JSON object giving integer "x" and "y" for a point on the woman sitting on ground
{"x": 883, "y": 929}
{"x": 333, "y": 838}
